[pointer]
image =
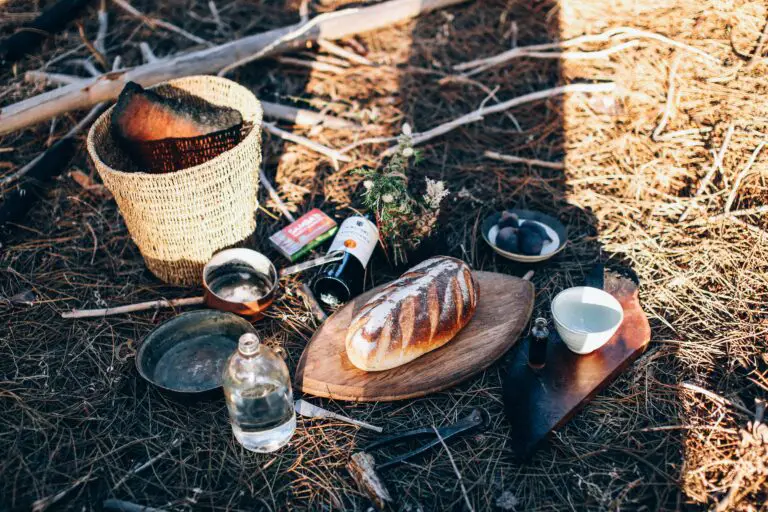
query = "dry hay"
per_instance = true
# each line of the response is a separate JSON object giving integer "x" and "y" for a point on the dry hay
{"x": 73, "y": 406}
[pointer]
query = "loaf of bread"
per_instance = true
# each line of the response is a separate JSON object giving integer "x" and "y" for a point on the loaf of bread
{"x": 420, "y": 311}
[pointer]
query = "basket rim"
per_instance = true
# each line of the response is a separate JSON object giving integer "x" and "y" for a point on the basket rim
{"x": 254, "y": 132}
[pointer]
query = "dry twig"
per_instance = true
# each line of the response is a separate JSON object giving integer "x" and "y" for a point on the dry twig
{"x": 154, "y": 22}
{"x": 520, "y": 160}
{"x": 132, "y": 308}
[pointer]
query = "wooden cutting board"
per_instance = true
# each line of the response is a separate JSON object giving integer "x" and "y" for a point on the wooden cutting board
{"x": 538, "y": 402}
{"x": 503, "y": 311}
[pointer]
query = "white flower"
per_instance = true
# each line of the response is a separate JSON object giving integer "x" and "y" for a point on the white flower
{"x": 368, "y": 184}
{"x": 435, "y": 194}
{"x": 407, "y": 130}
{"x": 387, "y": 198}
{"x": 408, "y": 152}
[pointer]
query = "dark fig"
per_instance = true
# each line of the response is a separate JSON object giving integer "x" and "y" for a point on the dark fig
{"x": 537, "y": 228}
{"x": 508, "y": 220}
{"x": 530, "y": 242}
{"x": 506, "y": 240}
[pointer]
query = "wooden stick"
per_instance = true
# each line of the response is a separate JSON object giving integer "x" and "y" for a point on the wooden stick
{"x": 132, "y": 308}
{"x": 154, "y": 22}
{"x": 742, "y": 175}
{"x": 477, "y": 115}
{"x": 715, "y": 166}
{"x": 573, "y": 55}
{"x": 362, "y": 468}
{"x": 52, "y": 78}
{"x": 312, "y": 64}
{"x": 333, "y": 154}
{"x": 304, "y": 117}
{"x": 274, "y": 195}
{"x": 619, "y": 32}
{"x": 343, "y": 53}
{"x": 147, "y": 54}
{"x": 108, "y": 86}
{"x": 297, "y": 116}
{"x": 314, "y": 305}
{"x": 520, "y": 160}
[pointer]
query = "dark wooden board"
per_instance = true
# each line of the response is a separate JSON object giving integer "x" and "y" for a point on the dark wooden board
{"x": 538, "y": 402}
{"x": 503, "y": 311}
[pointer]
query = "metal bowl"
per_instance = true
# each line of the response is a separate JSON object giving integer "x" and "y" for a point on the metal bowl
{"x": 547, "y": 221}
{"x": 186, "y": 354}
{"x": 241, "y": 281}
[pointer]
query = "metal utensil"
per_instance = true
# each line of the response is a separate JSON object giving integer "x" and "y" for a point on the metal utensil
{"x": 244, "y": 281}
{"x": 309, "y": 410}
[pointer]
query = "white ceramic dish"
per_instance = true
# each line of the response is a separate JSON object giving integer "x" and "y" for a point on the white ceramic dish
{"x": 586, "y": 318}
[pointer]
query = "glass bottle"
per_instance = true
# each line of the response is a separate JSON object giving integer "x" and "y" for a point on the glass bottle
{"x": 257, "y": 388}
{"x": 537, "y": 348}
{"x": 336, "y": 283}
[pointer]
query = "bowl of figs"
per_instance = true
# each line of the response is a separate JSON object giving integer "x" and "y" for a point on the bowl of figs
{"x": 525, "y": 236}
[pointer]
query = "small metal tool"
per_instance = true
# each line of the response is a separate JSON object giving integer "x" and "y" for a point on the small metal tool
{"x": 309, "y": 410}
{"x": 475, "y": 419}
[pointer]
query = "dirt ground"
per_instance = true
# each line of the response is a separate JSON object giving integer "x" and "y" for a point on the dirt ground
{"x": 667, "y": 175}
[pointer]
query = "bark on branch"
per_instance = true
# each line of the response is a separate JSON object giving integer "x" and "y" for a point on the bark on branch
{"x": 211, "y": 60}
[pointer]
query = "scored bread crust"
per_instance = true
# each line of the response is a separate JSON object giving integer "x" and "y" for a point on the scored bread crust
{"x": 420, "y": 311}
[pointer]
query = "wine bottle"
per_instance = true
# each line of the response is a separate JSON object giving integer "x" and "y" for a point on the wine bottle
{"x": 337, "y": 282}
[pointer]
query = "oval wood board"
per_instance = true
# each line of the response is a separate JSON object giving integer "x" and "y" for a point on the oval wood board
{"x": 503, "y": 311}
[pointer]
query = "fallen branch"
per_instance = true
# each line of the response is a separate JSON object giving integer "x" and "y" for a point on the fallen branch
{"x": 210, "y": 60}
{"x": 132, "y": 308}
{"x": 154, "y": 22}
{"x": 333, "y": 154}
{"x": 477, "y": 115}
{"x": 520, "y": 160}
{"x": 304, "y": 117}
{"x": 297, "y": 116}
{"x": 478, "y": 65}
{"x": 337, "y": 50}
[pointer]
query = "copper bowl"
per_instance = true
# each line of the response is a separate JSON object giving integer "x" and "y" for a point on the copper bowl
{"x": 240, "y": 281}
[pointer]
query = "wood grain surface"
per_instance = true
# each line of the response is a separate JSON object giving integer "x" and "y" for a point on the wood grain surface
{"x": 503, "y": 311}
{"x": 538, "y": 402}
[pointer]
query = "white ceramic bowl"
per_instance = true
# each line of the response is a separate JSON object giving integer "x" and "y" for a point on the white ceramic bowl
{"x": 586, "y": 317}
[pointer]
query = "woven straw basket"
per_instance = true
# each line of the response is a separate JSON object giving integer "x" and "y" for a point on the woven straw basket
{"x": 180, "y": 219}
